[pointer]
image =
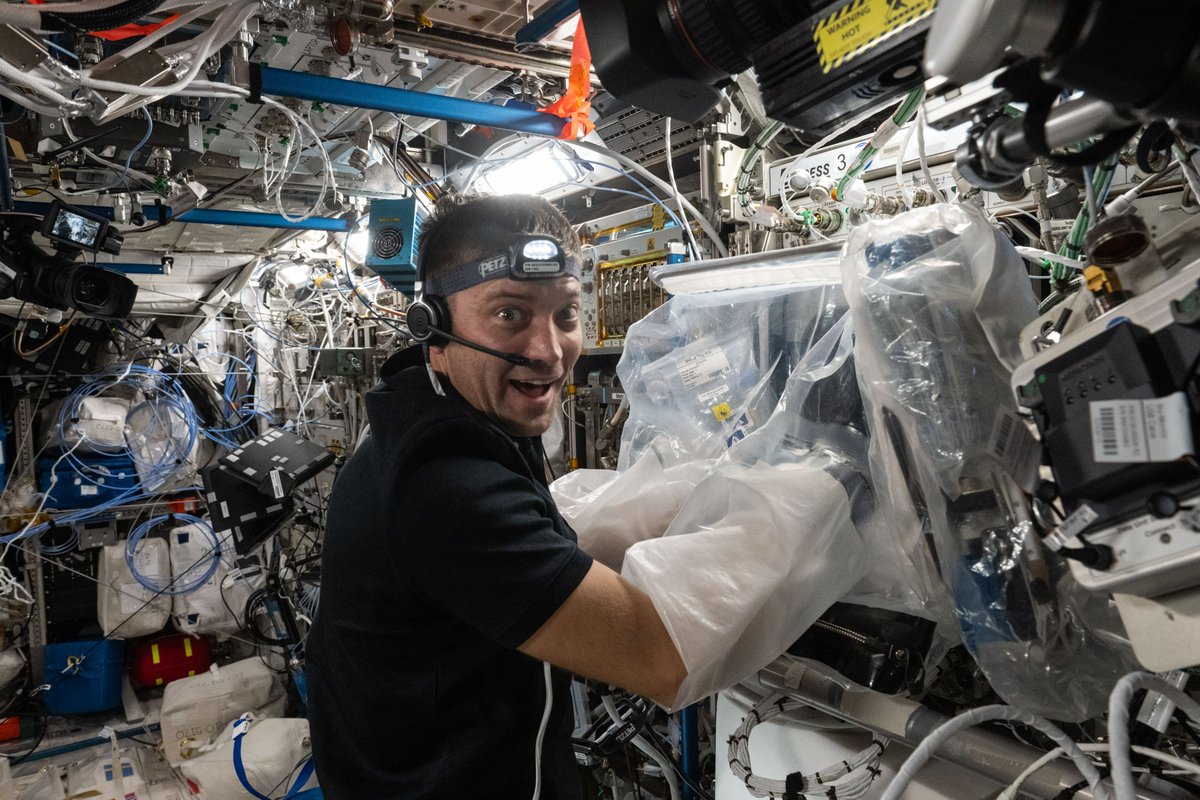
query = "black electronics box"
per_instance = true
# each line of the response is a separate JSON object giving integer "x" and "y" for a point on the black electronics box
{"x": 277, "y": 462}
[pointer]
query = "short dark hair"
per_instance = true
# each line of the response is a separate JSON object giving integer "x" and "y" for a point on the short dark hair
{"x": 467, "y": 228}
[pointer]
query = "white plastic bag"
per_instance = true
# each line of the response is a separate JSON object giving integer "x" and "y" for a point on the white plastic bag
{"x": 612, "y": 510}
{"x": 271, "y": 751}
{"x": 753, "y": 557}
{"x": 216, "y": 607}
{"x": 126, "y": 608}
{"x": 195, "y": 710}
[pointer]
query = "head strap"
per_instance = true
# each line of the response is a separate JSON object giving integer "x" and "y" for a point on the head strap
{"x": 531, "y": 257}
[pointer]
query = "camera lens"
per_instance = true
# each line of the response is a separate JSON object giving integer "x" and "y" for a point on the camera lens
{"x": 89, "y": 291}
{"x": 721, "y": 34}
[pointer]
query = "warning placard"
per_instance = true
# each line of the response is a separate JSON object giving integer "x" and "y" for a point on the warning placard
{"x": 852, "y": 27}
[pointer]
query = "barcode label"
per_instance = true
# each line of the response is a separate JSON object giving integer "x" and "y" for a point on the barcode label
{"x": 1005, "y": 426}
{"x": 277, "y": 484}
{"x": 1107, "y": 417}
{"x": 1016, "y": 449}
{"x": 1140, "y": 431}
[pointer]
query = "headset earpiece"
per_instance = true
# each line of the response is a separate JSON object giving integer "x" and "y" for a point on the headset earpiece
{"x": 427, "y": 318}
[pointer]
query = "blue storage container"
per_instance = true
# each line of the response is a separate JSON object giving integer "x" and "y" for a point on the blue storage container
{"x": 107, "y": 477}
{"x": 83, "y": 676}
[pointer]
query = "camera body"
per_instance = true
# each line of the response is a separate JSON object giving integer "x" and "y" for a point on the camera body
{"x": 59, "y": 280}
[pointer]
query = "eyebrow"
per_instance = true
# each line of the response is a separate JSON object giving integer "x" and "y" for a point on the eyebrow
{"x": 512, "y": 294}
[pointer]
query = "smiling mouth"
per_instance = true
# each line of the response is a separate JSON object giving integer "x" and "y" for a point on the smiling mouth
{"x": 534, "y": 389}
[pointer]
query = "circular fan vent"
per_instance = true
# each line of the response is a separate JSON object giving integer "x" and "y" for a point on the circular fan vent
{"x": 387, "y": 243}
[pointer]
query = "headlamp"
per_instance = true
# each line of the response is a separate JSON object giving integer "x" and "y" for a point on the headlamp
{"x": 526, "y": 258}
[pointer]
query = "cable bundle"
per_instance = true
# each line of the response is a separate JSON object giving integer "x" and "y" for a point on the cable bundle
{"x": 847, "y": 780}
{"x": 176, "y": 586}
{"x": 160, "y": 431}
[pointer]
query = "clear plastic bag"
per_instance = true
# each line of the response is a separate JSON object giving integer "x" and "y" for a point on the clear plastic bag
{"x": 767, "y": 523}
{"x": 704, "y": 370}
{"x": 938, "y": 298}
{"x": 822, "y": 410}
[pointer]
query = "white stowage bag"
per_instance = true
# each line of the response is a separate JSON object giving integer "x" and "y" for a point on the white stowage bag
{"x": 271, "y": 751}
{"x": 610, "y": 511}
{"x": 207, "y": 610}
{"x": 753, "y": 557}
{"x": 195, "y": 710}
{"x": 125, "y": 607}
{"x": 96, "y": 778}
{"x": 45, "y": 784}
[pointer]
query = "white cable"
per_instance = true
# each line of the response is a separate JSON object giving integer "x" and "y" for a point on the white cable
{"x": 42, "y": 86}
{"x": 1124, "y": 202}
{"x": 638, "y": 741}
{"x": 687, "y": 229}
{"x": 541, "y": 734}
{"x": 171, "y": 27}
{"x": 210, "y": 89}
{"x": 900, "y": 182}
{"x": 1036, "y": 254}
{"x": 25, "y": 100}
{"x": 969, "y": 719}
{"x": 204, "y": 45}
{"x": 1118, "y": 723}
{"x": 924, "y": 156}
{"x": 630, "y": 164}
{"x": 87, "y": 151}
{"x": 850, "y": 779}
{"x": 1184, "y": 767}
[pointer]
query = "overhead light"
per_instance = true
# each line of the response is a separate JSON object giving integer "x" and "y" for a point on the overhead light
{"x": 524, "y": 165}
{"x": 812, "y": 263}
{"x": 534, "y": 172}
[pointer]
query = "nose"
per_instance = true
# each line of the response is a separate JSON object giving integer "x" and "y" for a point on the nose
{"x": 544, "y": 342}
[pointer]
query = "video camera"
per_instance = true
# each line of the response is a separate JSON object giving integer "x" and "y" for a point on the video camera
{"x": 29, "y": 273}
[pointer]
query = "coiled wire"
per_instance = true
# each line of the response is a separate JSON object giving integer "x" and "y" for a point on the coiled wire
{"x": 848, "y": 780}
{"x": 159, "y": 434}
{"x": 175, "y": 586}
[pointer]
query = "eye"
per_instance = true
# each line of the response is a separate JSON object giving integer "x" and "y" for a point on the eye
{"x": 510, "y": 314}
{"x": 569, "y": 314}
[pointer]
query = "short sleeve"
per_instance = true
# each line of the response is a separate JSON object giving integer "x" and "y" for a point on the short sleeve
{"x": 476, "y": 542}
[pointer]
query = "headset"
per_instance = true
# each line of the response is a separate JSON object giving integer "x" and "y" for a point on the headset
{"x": 527, "y": 257}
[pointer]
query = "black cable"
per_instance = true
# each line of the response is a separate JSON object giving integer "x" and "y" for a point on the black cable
{"x": 38, "y": 742}
{"x": 656, "y": 742}
{"x": 633, "y": 773}
{"x": 100, "y": 20}
{"x": 1182, "y": 719}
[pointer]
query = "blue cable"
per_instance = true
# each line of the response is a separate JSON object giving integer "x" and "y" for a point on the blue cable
{"x": 61, "y": 49}
{"x": 174, "y": 587}
{"x": 164, "y": 393}
{"x": 138, "y": 146}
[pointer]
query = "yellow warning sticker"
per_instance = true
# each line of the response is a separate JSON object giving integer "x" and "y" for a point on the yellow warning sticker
{"x": 154, "y": 654}
{"x": 845, "y": 32}
{"x": 187, "y": 647}
{"x": 722, "y": 412}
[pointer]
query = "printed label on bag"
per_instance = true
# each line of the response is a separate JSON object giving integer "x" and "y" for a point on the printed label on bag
{"x": 711, "y": 397}
{"x": 1016, "y": 449}
{"x": 1140, "y": 431}
{"x": 703, "y": 366}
